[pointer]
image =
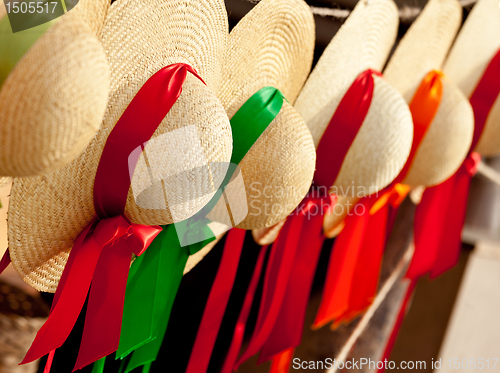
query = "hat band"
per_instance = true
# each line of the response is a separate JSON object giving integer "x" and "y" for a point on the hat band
{"x": 247, "y": 125}
{"x": 88, "y": 262}
{"x": 343, "y": 128}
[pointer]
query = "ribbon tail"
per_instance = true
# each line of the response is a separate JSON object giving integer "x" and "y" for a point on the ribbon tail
{"x": 451, "y": 240}
{"x": 69, "y": 298}
{"x": 217, "y": 302}
{"x": 276, "y": 279}
{"x": 50, "y": 359}
{"x": 239, "y": 330}
{"x": 99, "y": 366}
{"x": 438, "y": 224}
{"x": 145, "y": 301}
{"x": 5, "y": 261}
{"x": 172, "y": 268}
{"x": 399, "y": 321}
{"x": 101, "y": 332}
{"x": 281, "y": 363}
{"x": 367, "y": 271}
{"x": 338, "y": 283}
{"x": 287, "y": 331}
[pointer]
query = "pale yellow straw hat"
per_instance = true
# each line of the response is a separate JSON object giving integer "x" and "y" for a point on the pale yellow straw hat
{"x": 140, "y": 37}
{"x": 53, "y": 100}
{"x": 476, "y": 44}
{"x": 423, "y": 49}
{"x": 383, "y": 142}
{"x": 272, "y": 45}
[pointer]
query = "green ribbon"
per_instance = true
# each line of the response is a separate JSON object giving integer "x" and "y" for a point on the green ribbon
{"x": 157, "y": 274}
{"x": 13, "y": 46}
{"x": 99, "y": 365}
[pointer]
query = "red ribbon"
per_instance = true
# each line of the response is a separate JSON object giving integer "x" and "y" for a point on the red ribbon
{"x": 294, "y": 256}
{"x": 217, "y": 301}
{"x": 239, "y": 330}
{"x": 353, "y": 272}
{"x": 102, "y": 252}
{"x": 440, "y": 215}
{"x": 4, "y": 263}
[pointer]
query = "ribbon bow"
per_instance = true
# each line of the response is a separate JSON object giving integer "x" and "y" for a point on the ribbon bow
{"x": 101, "y": 255}
{"x": 118, "y": 230}
{"x": 102, "y": 252}
{"x": 161, "y": 270}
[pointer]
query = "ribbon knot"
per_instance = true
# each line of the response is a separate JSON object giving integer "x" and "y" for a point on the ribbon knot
{"x": 138, "y": 237}
{"x": 472, "y": 163}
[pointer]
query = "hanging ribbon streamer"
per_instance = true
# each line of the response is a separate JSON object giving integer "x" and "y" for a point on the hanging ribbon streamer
{"x": 248, "y": 124}
{"x": 161, "y": 269}
{"x": 354, "y": 267}
{"x": 5, "y": 261}
{"x": 441, "y": 213}
{"x": 295, "y": 254}
{"x": 102, "y": 252}
{"x": 440, "y": 216}
{"x": 239, "y": 331}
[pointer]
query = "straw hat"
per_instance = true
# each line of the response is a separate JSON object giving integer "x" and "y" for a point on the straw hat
{"x": 423, "y": 49}
{"x": 272, "y": 45}
{"x": 53, "y": 100}
{"x": 140, "y": 37}
{"x": 475, "y": 46}
{"x": 383, "y": 142}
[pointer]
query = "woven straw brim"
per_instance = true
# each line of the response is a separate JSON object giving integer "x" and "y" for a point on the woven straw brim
{"x": 272, "y": 45}
{"x": 475, "y": 46}
{"x": 267, "y": 236}
{"x": 139, "y": 39}
{"x": 423, "y": 49}
{"x": 53, "y": 100}
{"x": 3, "y": 10}
{"x": 277, "y": 172}
{"x": 447, "y": 141}
{"x": 382, "y": 145}
{"x": 93, "y": 12}
{"x": 424, "y": 46}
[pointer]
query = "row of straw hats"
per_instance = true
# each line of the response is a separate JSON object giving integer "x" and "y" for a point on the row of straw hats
{"x": 108, "y": 52}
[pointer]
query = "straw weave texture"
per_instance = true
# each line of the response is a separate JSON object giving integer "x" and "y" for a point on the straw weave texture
{"x": 272, "y": 45}
{"x": 424, "y": 46}
{"x": 382, "y": 145}
{"x": 422, "y": 49}
{"x": 139, "y": 38}
{"x": 93, "y": 12}
{"x": 446, "y": 142}
{"x": 476, "y": 44}
{"x": 53, "y": 100}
